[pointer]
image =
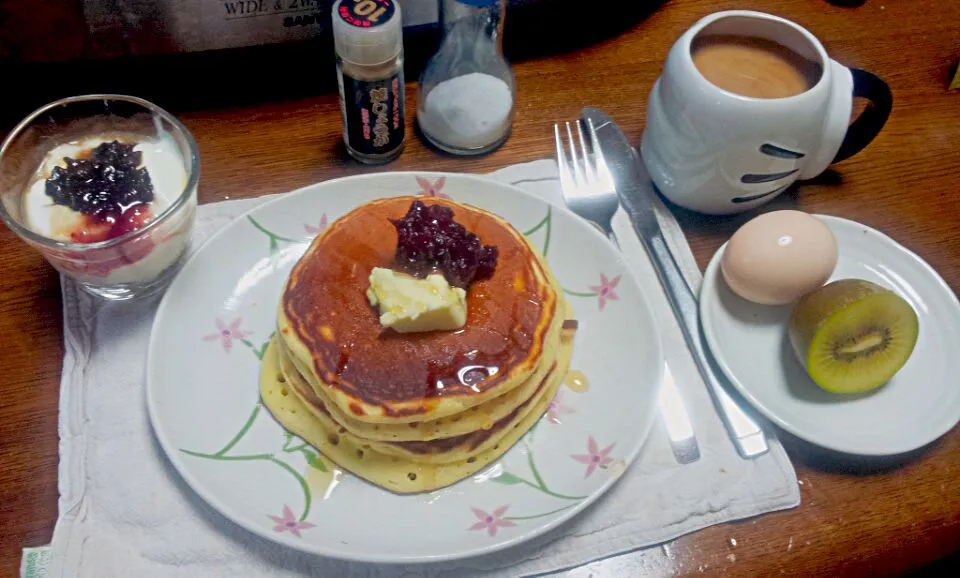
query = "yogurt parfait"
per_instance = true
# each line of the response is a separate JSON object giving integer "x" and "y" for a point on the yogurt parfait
{"x": 105, "y": 188}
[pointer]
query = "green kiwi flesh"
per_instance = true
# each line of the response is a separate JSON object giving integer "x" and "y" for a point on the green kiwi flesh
{"x": 852, "y": 336}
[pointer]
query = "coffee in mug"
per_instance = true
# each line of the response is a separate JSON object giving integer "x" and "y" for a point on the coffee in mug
{"x": 754, "y": 67}
{"x": 749, "y": 103}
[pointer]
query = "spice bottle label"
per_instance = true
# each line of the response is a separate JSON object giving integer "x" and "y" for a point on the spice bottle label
{"x": 366, "y": 13}
{"x": 373, "y": 113}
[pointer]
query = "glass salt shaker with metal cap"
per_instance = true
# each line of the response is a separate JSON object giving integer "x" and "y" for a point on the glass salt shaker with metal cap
{"x": 368, "y": 38}
{"x": 466, "y": 97}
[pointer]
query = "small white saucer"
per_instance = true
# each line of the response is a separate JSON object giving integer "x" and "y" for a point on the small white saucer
{"x": 920, "y": 403}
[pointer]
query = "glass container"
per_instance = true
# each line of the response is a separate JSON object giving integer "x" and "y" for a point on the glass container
{"x": 466, "y": 99}
{"x": 114, "y": 255}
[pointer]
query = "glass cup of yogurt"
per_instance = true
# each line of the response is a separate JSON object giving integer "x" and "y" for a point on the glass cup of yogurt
{"x": 105, "y": 188}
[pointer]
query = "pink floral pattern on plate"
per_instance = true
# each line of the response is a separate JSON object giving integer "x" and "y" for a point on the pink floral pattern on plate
{"x": 226, "y": 334}
{"x": 318, "y": 228}
{"x": 429, "y": 189}
{"x": 557, "y": 408}
{"x": 595, "y": 457}
{"x": 491, "y": 522}
{"x": 289, "y": 523}
{"x": 606, "y": 290}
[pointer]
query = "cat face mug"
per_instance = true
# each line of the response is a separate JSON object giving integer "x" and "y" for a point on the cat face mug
{"x": 747, "y": 104}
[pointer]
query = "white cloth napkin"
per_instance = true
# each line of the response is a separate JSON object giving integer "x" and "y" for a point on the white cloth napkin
{"x": 125, "y": 512}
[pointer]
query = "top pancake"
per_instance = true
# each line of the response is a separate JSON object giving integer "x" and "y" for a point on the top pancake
{"x": 377, "y": 375}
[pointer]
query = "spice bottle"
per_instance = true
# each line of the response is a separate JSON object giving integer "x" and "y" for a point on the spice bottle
{"x": 368, "y": 38}
{"x": 466, "y": 97}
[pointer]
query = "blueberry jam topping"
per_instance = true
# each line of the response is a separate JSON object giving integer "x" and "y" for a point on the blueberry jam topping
{"x": 104, "y": 183}
{"x": 429, "y": 240}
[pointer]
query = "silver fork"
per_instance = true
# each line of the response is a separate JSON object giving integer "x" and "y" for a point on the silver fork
{"x": 589, "y": 191}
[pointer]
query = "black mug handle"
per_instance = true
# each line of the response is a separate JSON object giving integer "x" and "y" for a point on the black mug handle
{"x": 868, "y": 125}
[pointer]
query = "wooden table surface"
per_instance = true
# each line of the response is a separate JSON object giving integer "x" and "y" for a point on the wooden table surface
{"x": 856, "y": 518}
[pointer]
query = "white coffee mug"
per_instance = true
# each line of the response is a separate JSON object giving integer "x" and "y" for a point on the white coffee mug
{"x": 718, "y": 152}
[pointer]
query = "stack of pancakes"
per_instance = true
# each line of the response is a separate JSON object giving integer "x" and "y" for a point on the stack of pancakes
{"x": 417, "y": 411}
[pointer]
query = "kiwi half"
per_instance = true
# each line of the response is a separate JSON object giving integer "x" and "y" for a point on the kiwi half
{"x": 852, "y": 336}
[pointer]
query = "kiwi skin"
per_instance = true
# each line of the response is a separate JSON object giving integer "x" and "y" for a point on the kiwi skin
{"x": 849, "y": 307}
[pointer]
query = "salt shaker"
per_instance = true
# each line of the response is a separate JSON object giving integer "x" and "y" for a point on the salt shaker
{"x": 466, "y": 96}
{"x": 368, "y": 37}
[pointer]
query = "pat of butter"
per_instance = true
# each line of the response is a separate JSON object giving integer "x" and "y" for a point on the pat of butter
{"x": 409, "y": 305}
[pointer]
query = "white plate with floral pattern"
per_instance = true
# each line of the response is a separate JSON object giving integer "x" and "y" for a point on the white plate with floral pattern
{"x": 214, "y": 322}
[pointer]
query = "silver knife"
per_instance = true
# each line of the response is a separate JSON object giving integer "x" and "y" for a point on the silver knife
{"x": 636, "y": 197}
{"x": 676, "y": 420}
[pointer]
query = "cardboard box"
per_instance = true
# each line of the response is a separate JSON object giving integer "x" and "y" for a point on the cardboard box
{"x": 59, "y": 30}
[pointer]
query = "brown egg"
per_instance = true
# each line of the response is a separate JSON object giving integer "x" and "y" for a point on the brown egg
{"x": 778, "y": 257}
